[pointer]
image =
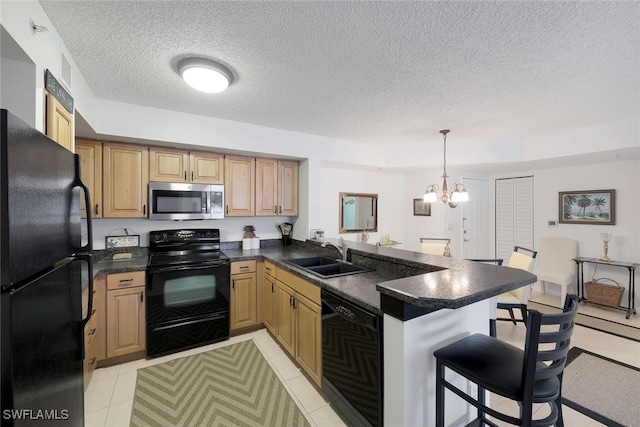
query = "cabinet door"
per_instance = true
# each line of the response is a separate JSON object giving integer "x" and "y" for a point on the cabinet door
{"x": 288, "y": 188}
{"x": 240, "y": 186}
{"x": 266, "y": 187}
{"x": 243, "y": 300}
{"x": 91, "y": 172}
{"x": 58, "y": 122}
{"x": 206, "y": 168}
{"x": 309, "y": 337}
{"x": 125, "y": 180}
{"x": 168, "y": 165}
{"x": 269, "y": 289}
{"x": 285, "y": 323}
{"x": 125, "y": 321}
{"x": 100, "y": 307}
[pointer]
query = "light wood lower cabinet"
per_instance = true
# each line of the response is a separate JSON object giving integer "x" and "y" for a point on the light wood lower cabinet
{"x": 95, "y": 330}
{"x": 298, "y": 324}
{"x": 125, "y": 313}
{"x": 269, "y": 289}
{"x": 243, "y": 295}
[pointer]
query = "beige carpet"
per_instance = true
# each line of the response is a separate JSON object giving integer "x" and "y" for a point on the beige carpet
{"x": 229, "y": 386}
{"x": 601, "y": 388}
{"x": 608, "y": 326}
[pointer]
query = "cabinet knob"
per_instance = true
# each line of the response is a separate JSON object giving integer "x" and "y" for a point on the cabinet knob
{"x": 185, "y": 175}
{"x": 97, "y": 209}
{"x": 191, "y": 175}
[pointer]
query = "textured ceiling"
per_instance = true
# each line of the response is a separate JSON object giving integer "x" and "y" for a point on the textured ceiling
{"x": 374, "y": 72}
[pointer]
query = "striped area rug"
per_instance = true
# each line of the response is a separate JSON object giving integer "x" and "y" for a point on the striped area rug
{"x": 229, "y": 386}
{"x": 614, "y": 328}
{"x": 601, "y": 388}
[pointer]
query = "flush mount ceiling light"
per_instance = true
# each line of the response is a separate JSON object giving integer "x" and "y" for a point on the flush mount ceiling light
{"x": 205, "y": 75}
{"x": 459, "y": 193}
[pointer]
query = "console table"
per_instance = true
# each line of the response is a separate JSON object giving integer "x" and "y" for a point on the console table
{"x": 630, "y": 266}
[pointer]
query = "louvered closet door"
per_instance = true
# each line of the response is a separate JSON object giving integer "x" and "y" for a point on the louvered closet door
{"x": 514, "y": 215}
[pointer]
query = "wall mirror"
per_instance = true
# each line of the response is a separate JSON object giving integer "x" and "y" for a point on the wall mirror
{"x": 358, "y": 212}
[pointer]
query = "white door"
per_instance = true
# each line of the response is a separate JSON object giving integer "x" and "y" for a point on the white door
{"x": 476, "y": 226}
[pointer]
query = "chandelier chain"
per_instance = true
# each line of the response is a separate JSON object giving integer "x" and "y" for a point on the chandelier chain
{"x": 445, "y": 155}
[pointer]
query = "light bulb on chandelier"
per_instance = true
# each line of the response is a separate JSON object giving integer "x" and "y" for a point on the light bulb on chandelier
{"x": 457, "y": 195}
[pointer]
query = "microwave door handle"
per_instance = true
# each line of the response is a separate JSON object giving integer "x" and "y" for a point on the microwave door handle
{"x": 77, "y": 182}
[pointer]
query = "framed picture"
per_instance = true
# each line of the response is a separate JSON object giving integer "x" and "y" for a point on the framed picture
{"x": 420, "y": 208}
{"x": 587, "y": 207}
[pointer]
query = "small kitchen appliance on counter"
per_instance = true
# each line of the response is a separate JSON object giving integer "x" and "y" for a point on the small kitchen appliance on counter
{"x": 188, "y": 280}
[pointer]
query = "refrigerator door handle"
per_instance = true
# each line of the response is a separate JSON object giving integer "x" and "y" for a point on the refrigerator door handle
{"x": 89, "y": 260}
{"x": 77, "y": 182}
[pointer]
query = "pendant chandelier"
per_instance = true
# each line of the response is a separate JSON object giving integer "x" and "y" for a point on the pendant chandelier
{"x": 457, "y": 195}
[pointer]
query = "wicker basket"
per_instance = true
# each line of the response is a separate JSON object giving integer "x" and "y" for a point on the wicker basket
{"x": 600, "y": 293}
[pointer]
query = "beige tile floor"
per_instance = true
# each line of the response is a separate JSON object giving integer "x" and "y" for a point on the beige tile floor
{"x": 109, "y": 397}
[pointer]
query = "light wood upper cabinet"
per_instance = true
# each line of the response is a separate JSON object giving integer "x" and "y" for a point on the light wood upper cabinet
{"x": 125, "y": 180}
{"x": 58, "y": 122}
{"x": 276, "y": 187}
{"x": 168, "y": 165}
{"x": 181, "y": 166}
{"x": 266, "y": 187}
{"x": 239, "y": 185}
{"x": 91, "y": 173}
{"x": 206, "y": 168}
{"x": 287, "y": 188}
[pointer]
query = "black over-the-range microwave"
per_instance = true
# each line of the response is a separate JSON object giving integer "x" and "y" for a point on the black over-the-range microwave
{"x": 182, "y": 201}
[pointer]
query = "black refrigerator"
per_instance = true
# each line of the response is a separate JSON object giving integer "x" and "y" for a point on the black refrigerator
{"x": 46, "y": 279}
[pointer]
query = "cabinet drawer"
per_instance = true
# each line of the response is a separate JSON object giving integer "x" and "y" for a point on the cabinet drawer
{"x": 270, "y": 268}
{"x": 125, "y": 280}
{"x": 238, "y": 267}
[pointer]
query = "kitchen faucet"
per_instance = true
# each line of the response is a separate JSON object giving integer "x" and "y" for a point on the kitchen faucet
{"x": 342, "y": 249}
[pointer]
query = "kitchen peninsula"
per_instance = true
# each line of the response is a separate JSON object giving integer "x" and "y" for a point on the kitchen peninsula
{"x": 425, "y": 302}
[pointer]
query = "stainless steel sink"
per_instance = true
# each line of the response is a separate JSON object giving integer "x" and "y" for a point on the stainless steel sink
{"x": 312, "y": 261}
{"x": 326, "y": 267}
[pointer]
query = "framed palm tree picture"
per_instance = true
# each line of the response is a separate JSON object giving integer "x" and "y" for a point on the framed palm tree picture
{"x": 587, "y": 207}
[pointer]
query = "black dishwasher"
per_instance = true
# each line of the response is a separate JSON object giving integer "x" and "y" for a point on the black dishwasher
{"x": 352, "y": 360}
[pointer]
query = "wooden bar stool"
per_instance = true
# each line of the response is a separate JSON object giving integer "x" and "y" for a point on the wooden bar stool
{"x": 505, "y": 370}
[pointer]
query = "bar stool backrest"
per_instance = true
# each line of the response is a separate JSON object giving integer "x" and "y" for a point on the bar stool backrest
{"x": 548, "y": 340}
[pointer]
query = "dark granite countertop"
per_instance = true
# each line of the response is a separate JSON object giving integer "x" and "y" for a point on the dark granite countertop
{"x": 425, "y": 281}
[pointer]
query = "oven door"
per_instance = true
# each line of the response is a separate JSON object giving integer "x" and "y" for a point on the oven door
{"x": 178, "y": 293}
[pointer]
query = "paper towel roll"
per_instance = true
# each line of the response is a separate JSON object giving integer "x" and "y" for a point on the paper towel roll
{"x": 246, "y": 244}
{"x": 255, "y": 243}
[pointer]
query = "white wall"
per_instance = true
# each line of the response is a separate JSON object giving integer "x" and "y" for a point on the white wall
{"x": 16, "y": 79}
{"x": 389, "y": 187}
{"x": 231, "y": 229}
